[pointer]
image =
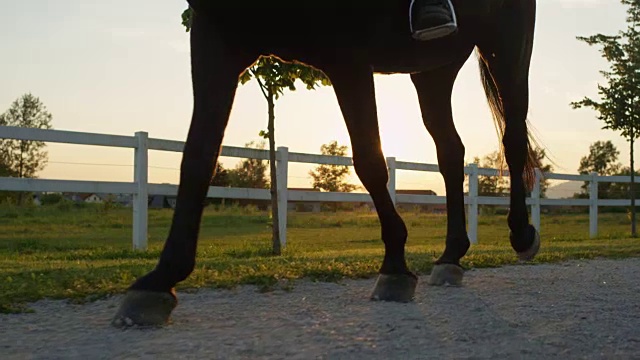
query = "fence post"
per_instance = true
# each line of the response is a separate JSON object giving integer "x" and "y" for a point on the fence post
{"x": 472, "y": 212}
{"x": 593, "y": 205}
{"x": 391, "y": 165}
{"x": 535, "y": 200}
{"x": 282, "y": 173}
{"x": 141, "y": 195}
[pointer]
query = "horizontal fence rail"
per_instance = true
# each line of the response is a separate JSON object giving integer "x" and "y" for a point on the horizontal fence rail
{"x": 140, "y": 188}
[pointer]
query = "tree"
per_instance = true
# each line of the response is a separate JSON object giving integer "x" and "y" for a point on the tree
{"x": 250, "y": 173}
{"x": 220, "y": 176}
{"x": 621, "y": 190}
{"x": 332, "y": 177}
{"x": 491, "y": 185}
{"x": 544, "y": 168}
{"x": 274, "y": 76}
{"x": 498, "y": 185}
{"x": 51, "y": 199}
{"x": 24, "y": 158}
{"x": 5, "y": 162}
{"x": 5, "y": 169}
{"x": 619, "y": 106}
{"x": 603, "y": 160}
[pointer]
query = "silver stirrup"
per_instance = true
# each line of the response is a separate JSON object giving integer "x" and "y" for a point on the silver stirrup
{"x": 436, "y": 32}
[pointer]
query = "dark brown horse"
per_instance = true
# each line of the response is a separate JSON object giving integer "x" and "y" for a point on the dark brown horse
{"x": 350, "y": 41}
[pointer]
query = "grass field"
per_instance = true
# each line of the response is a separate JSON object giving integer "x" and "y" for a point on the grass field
{"x": 85, "y": 253}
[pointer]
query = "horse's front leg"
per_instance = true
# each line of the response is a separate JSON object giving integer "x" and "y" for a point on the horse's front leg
{"x": 215, "y": 70}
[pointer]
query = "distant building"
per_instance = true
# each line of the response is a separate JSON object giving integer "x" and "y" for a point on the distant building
{"x": 428, "y": 208}
{"x": 315, "y": 206}
{"x": 304, "y": 206}
{"x": 37, "y": 198}
{"x": 92, "y": 198}
{"x": 96, "y": 198}
{"x": 162, "y": 202}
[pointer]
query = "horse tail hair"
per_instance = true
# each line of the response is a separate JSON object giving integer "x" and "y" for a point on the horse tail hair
{"x": 509, "y": 78}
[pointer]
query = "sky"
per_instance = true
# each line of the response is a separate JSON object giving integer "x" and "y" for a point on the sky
{"x": 118, "y": 67}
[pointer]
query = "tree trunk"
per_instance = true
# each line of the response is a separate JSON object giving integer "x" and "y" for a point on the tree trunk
{"x": 21, "y": 172}
{"x": 632, "y": 190}
{"x": 277, "y": 250}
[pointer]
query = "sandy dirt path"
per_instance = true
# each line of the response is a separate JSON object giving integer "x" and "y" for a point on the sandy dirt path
{"x": 578, "y": 309}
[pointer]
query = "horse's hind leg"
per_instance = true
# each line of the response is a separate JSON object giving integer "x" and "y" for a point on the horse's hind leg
{"x": 150, "y": 300}
{"x": 434, "y": 94}
{"x": 504, "y": 65}
{"x": 354, "y": 87}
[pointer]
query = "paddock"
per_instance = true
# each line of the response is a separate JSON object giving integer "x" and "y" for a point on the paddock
{"x": 576, "y": 309}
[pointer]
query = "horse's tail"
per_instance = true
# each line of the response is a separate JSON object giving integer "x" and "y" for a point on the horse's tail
{"x": 504, "y": 57}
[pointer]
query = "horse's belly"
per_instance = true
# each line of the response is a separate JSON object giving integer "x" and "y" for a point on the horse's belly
{"x": 418, "y": 57}
{"x": 381, "y": 32}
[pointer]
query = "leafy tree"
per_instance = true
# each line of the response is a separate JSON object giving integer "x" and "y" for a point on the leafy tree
{"x": 621, "y": 190}
{"x": 250, "y": 173}
{"x": 619, "y": 106}
{"x": 220, "y": 176}
{"x": 602, "y": 159}
{"x": 5, "y": 159}
{"x": 51, "y": 199}
{"x": 5, "y": 169}
{"x": 491, "y": 185}
{"x": 544, "y": 168}
{"x": 499, "y": 185}
{"x": 332, "y": 177}
{"x": 274, "y": 76}
{"x": 24, "y": 158}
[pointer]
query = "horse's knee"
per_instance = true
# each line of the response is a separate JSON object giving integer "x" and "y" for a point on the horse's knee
{"x": 371, "y": 168}
{"x": 515, "y": 140}
{"x": 445, "y": 137}
{"x": 451, "y": 153}
{"x": 455, "y": 149}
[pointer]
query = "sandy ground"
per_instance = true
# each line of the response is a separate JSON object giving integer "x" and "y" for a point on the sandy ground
{"x": 575, "y": 310}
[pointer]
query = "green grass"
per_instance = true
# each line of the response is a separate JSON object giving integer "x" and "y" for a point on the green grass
{"x": 84, "y": 253}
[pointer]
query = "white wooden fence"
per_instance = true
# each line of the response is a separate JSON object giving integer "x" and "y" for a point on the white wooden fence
{"x": 140, "y": 188}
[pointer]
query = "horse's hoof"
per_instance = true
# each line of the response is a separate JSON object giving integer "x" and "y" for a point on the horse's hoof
{"x": 442, "y": 274}
{"x": 395, "y": 287}
{"x": 529, "y": 254}
{"x": 145, "y": 308}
